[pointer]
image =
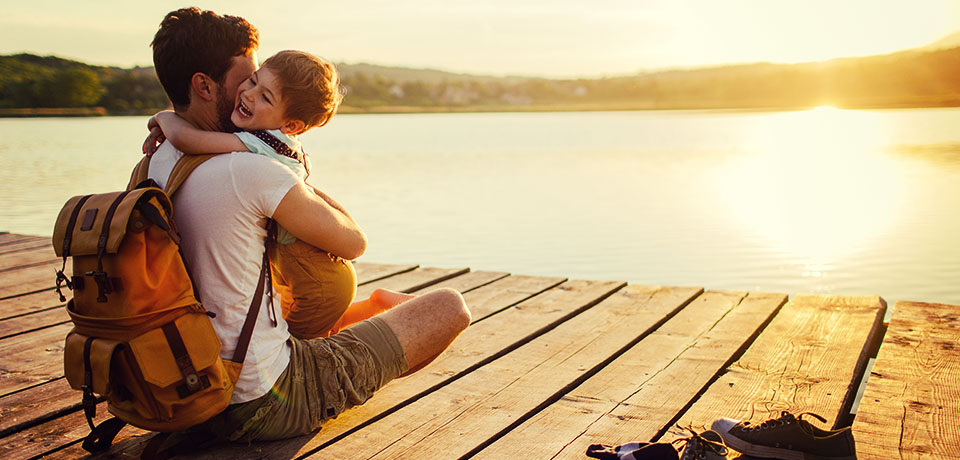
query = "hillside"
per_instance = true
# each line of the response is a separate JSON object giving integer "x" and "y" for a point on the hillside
{"x": 924, "y": 77}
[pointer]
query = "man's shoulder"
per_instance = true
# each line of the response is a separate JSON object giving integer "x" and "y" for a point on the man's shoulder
{"x": 166, "y": 157}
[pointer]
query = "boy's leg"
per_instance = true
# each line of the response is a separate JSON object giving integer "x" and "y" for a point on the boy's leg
{"x": 380, "y": 301}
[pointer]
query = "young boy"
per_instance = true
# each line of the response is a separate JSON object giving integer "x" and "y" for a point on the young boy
{"x": 292, "y": 92}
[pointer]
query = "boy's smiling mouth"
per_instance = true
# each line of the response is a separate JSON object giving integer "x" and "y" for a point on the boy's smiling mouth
{"x": 243, "y": 110}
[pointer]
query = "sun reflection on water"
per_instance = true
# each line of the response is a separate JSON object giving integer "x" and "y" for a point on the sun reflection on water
{"x": 816, "y": 185}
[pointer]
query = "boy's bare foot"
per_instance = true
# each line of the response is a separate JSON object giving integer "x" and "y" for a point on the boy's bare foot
{"x": 387, "y": 299}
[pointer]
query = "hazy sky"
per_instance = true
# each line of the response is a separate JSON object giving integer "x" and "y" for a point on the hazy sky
{"x": 557, "y": 38}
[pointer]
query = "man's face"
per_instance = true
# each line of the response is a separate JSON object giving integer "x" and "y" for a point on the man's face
{"x": 241, "y": 69}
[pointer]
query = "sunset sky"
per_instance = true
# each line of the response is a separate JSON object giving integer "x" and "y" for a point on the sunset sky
{"x": 553, "y": 38}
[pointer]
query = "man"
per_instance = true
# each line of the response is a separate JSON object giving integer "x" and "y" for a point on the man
{"x": 288, "y": 386}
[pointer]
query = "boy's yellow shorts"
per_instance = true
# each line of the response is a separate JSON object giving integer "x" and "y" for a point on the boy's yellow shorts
{"x": 316, "y": 288}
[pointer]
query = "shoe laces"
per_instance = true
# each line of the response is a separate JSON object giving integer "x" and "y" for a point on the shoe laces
{"x": 701, "y": 445}
{"x": 785, "y": 418}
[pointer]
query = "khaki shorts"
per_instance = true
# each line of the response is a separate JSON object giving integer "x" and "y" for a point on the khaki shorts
{"x": 325, "y": 376}
{"x": 316, "y": 288}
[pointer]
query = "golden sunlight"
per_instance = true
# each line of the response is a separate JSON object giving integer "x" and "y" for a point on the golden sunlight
{"x": 816, "y": 184}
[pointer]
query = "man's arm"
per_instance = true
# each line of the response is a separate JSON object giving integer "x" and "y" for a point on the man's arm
{"x": 311, "y": 218}
{"x": 333, "y": 203}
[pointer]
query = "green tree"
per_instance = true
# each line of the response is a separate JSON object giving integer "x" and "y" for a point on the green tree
{"x": 76, "y": 87}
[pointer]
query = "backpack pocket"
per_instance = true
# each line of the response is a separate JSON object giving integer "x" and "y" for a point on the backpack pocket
{"x": 167, "y": 379}
{"x": 181, "y": 369}
{"x": 101, "y": 359}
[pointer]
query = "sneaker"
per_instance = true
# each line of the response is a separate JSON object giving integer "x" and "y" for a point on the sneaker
{"x": 703, "y": 446}
{"x": 787, "y": 438}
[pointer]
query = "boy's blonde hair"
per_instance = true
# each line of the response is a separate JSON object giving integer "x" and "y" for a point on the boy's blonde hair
{"x": 310, "y": 86}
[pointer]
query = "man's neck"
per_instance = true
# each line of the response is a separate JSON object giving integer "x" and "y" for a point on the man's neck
{"x": 202, "y": 119}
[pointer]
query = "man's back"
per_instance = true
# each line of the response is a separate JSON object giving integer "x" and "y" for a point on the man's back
{"x": 221, "y": 211}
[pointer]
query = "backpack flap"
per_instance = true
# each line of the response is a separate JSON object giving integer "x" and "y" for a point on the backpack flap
{"x": 177, "y": 354}
{"x": 74, "y": 363}
{"x": 85, "y": 220}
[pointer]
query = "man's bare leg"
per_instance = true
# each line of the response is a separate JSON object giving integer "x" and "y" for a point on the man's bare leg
{"x": 427, "y": 324}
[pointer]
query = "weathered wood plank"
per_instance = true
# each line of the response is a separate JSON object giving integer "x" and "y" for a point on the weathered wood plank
{"x": 131, "y": 438}
{"x": 22, "y": 281}
{"x": 504, "y": 295}
{"x": 32, "y": 322}
{"x": 40, "y": 439}
{"x": 369, "y": 272}
{"x": 639, "y": 393}
{"x": 452, "y": 421}
{"x": 411, "y": 281}
{"x": 811, "y": 357}
{"x": 28, "y": 258}
{"x": 25, "y": 407}
{"x": 911, "y": 405}
{"x": 31, "y": 358}
{"x": 532, "y": 314}
{"x": 22, "y": 305}
{"x": 13, "y": 238}
{"x": 26, "y": 245}
{"x": 465, "y": 282}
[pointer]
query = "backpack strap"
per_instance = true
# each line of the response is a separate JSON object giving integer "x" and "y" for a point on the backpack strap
{"x": 140, "y": 173}
{"x": 265, "y": 283}
{"x": 185, "y": 165}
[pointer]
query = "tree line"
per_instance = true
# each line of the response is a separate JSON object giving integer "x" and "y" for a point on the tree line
{"x": 29, "y": 81}
{"x": 905, "y": 79}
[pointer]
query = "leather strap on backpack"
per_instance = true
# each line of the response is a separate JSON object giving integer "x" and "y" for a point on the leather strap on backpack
{"x": 246, "y": 332}
{"x": 185, "y": 165}
{"x": 67, "y": 240}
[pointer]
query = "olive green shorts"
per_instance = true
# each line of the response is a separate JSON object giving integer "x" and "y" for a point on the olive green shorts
{"x": 324, "y": 377}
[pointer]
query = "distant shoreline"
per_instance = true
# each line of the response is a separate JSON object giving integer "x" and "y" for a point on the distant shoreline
{"x": 54, "y": 112}
{"x": 72, "y": 112}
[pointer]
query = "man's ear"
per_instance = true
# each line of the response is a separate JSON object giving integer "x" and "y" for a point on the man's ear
{"x": 203, "y": 86}
{"x": 293, "y": 127}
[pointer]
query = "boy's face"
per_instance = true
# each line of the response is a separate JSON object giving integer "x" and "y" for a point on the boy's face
{"x": 259, "y": 102}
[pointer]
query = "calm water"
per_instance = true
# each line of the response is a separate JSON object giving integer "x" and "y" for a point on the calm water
{"x": 821, "y": 201}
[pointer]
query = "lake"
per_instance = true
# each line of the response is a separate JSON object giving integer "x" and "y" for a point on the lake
{"x": 821, "y": 201}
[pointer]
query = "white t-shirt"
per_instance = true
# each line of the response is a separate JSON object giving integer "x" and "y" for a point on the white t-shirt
{"x": 221, "y": 211}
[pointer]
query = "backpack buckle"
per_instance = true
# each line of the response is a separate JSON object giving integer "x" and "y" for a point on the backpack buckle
{"x": 104, "y": 286}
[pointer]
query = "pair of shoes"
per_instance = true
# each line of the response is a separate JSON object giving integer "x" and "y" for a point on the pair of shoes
{"x": 698, "y": 446}
{"x": 788, "y": 438}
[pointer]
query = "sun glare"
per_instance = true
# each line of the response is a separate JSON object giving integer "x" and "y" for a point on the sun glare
{"x": 815, "y": 184}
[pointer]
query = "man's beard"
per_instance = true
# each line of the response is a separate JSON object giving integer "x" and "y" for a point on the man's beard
{"x": 224, "y": 110}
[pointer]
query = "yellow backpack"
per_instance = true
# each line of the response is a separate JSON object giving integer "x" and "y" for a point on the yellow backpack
{"x": 141, "y": 338}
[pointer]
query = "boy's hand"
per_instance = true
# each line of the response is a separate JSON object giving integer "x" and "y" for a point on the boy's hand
{"x": 156, "y": 137}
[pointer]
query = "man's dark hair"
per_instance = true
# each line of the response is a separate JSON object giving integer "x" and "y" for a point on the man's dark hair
{"x": 191, "y": 41}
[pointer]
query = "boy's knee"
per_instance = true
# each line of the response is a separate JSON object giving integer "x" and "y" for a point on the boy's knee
{"x": 454, "y": 305}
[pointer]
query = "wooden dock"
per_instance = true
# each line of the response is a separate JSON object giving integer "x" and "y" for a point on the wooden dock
{"x": 551, "y": 365}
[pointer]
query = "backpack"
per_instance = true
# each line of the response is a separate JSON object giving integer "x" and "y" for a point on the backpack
{"x": 141, "y": 338}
